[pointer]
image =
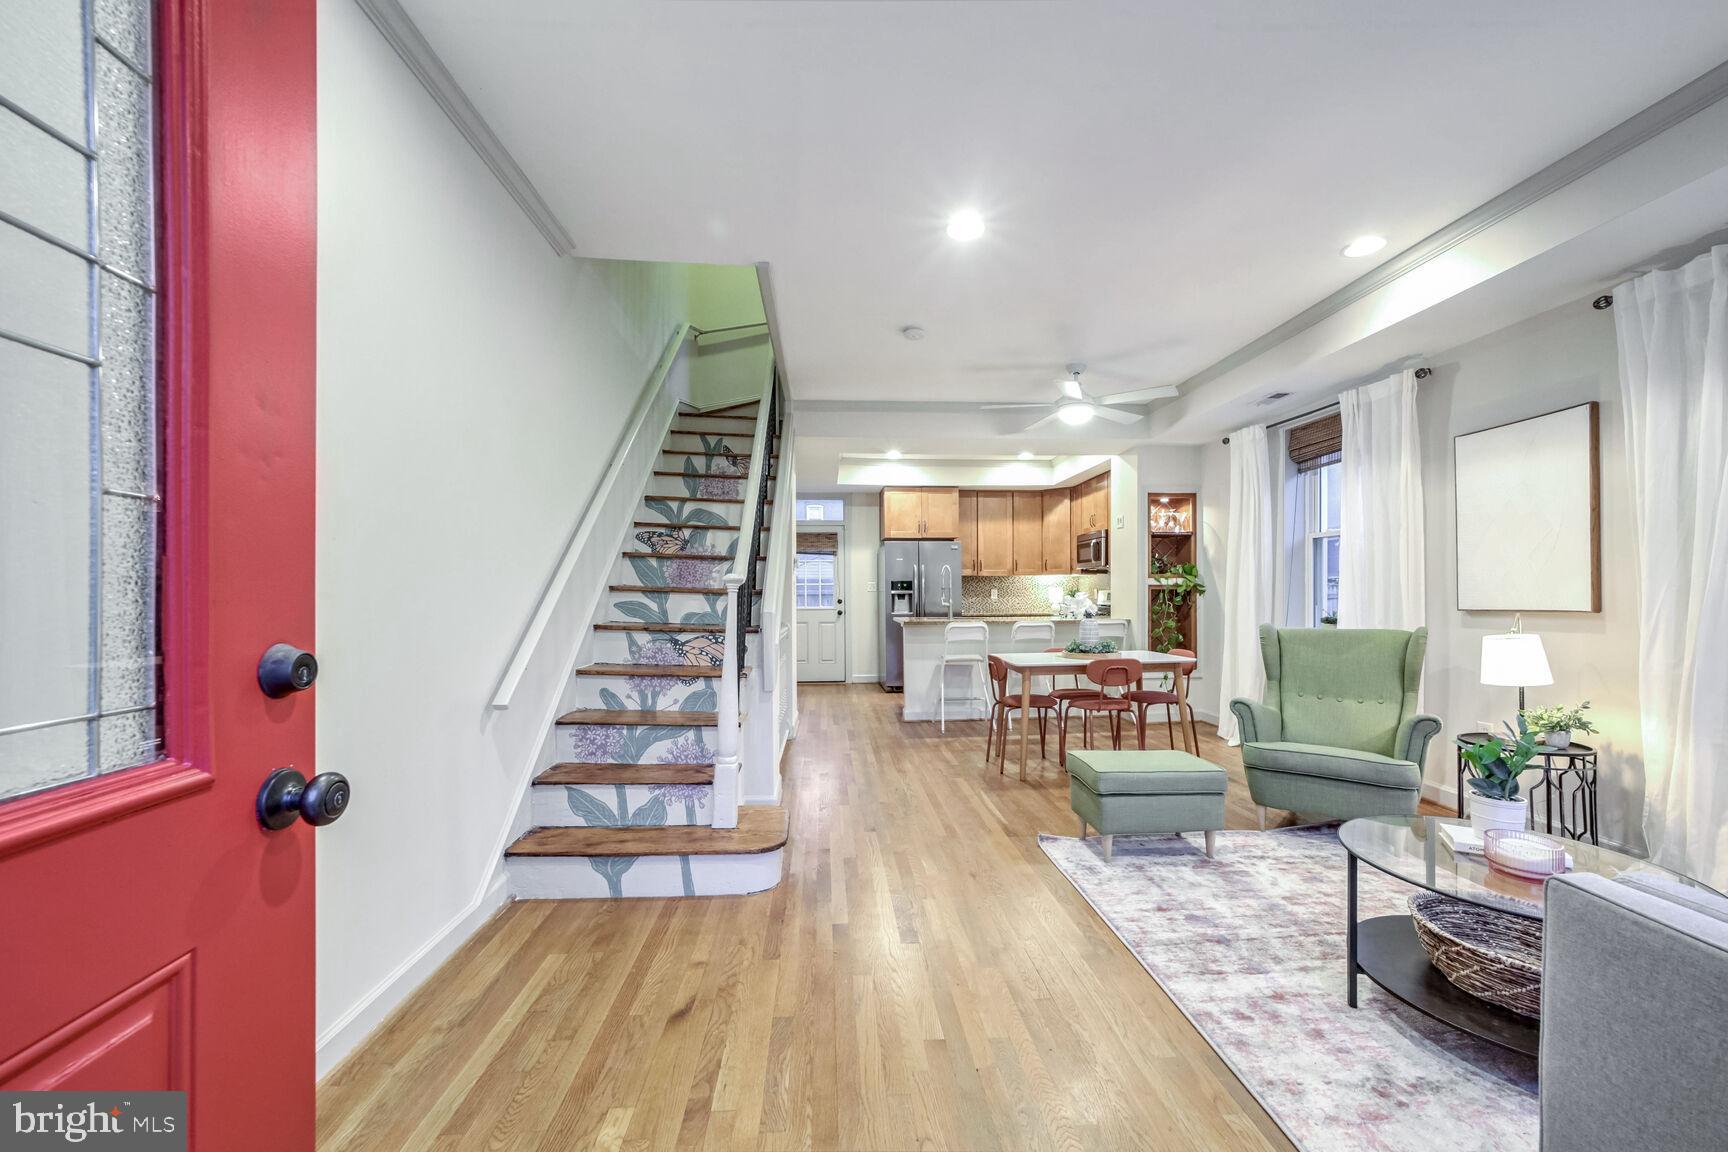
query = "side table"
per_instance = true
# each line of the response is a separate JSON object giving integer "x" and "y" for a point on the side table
{"x": 1577, "y": 808}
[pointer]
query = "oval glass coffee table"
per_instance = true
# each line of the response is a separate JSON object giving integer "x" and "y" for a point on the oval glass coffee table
{"x": 1385, "y": 948}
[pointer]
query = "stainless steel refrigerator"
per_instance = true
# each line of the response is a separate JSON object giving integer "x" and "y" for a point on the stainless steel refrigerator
{"x": 917, "y": 578}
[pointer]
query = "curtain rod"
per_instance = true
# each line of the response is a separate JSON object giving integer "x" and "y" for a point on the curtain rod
{"x": 1421, "y": 374}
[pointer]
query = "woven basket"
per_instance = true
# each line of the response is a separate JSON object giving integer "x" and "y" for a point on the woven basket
{"x": 1493, "y": 955}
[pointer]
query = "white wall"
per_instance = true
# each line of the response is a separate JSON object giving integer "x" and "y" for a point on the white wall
{"x": 471, "y": 387}
{"x": 863, "y": 607}
{"x": 1552, "y": 361}
{"x": 1205, "y": 471}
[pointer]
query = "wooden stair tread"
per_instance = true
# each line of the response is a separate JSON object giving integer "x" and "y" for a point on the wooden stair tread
{"x": 681, "y": 671}
{"x": 705, "y": 416}
{"x": 760, "y": 829}
{"x": 722, "y": 408}
{"x": 699, "y": 476}
{"x": 639, "y": 718}
{"x": 704, "y": 499}
{"x": 587, "y": 773}
{"x": 717, "y": 556}
{"x": 682, "y": 589}
{"x": 688, "y": 524}
{"x": 632, "y": 626}
{"x": 692, "y": 452}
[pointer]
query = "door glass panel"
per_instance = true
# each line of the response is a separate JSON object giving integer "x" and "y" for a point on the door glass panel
{"x": 80, "y": 506}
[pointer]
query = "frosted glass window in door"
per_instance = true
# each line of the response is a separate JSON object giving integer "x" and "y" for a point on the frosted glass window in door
{"x": 80, "y": 488}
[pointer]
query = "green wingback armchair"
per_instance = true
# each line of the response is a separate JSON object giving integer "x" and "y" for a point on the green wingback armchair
{"x": 1337, "y": 734}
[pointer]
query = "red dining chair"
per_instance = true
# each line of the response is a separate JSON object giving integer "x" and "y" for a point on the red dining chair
{"x": 1004, "y": 704}
{"x": 1064, "y": 695}
{"x": 1106, "y": 674}
{"x": 1145, "y": 699}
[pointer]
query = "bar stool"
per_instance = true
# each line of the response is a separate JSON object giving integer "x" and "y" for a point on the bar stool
{"x": 1107, "y": 673}
{"x": 1116, "y": 630}
{"x": 1030, "y": 636}
{"x": 1144, "y": 699}
{"x": 1003, "y": 705}
{"x": 965, "y": 644}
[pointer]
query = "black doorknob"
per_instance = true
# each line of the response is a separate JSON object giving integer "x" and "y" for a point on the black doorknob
{"x": 284, "y": 668}
{"x": 288, "y": 796}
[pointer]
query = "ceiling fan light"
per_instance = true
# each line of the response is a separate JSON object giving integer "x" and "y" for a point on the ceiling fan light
{"x": 1075, "y": 414}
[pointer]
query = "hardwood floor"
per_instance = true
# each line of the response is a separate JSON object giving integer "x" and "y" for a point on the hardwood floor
{"x": 922, "y": 978}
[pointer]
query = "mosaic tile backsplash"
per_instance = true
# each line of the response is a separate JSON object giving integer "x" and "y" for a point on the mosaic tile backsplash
{"x": 1016, "y": 595}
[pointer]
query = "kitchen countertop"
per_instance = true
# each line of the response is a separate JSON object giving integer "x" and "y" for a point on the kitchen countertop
{"x": 1005, "y": 617}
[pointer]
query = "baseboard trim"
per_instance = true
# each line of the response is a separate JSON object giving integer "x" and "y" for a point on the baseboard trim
{"x": 352, "y": 1028}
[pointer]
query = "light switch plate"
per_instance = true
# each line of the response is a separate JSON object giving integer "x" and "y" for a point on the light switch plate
{"x": 870, "y": 587}
{"x": 1121, "y": 521}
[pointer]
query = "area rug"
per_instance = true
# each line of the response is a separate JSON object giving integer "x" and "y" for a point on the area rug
{"x": 1250, "y": 946}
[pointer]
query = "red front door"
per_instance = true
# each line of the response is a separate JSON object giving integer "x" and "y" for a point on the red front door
{"x": 156, "y": 536}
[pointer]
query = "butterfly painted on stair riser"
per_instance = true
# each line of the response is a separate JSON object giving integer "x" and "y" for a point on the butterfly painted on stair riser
{"x": 670, "y": 539}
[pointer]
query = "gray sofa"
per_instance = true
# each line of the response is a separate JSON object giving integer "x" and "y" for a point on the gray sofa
{"x": 1634, "y": 1016}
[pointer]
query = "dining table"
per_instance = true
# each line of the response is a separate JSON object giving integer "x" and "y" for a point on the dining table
{"x": 1030, "y": 664}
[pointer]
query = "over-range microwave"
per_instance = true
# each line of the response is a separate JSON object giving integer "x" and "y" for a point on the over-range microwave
{"x": 1092, "y": 552}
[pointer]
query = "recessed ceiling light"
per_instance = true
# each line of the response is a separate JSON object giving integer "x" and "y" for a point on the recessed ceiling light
{"x": 893, "y": 453}
{"x": 965, "y": 224}
{"x": 1076, "y": 413}
{"x": 1364, "y": 246}
{"x": 1025, "y": 455}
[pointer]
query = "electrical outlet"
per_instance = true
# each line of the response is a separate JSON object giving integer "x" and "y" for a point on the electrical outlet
{"x": 870, "y": 587}
{"x": 995, "y": 594}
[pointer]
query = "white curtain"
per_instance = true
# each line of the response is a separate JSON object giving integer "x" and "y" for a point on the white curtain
{"x": 1249, "y": 573}
{"x": 1380, "y": 495}
{"x": 1291, "y": 598}
{"x": 1673, "y": 336}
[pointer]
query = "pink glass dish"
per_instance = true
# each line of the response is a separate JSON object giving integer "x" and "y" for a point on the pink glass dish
{"x": 1524, "y": 854}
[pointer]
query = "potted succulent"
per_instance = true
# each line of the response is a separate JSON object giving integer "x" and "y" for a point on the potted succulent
{"x": 1555, "y": 727}
{"x": 1495, "y": 765}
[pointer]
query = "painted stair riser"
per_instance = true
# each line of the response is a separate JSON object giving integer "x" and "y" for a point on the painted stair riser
{"x": 642, "y": 805}
{"x": 659, "y": 647}
{"x": 680, "y": 512}
{"x": 676, "y": 487}
{"x": 672, "y": 571}
{"x": 624, "y": 877}
{"x": 686, "y": 428}
{"x": 666, "y": 608}
{"x": 684, "y": 538}
{"x": 698, "y": 444}
{"x": 632, "y": 744}
{"x": 646, "y": 693}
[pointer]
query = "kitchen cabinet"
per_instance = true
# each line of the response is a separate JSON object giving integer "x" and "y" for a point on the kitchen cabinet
{"x": 969, "y": 533}
{"x": 1028, "y": 533}
{"x": 1090, "y": 505}
{"x": 1058, "y": 535}
{"x": 920, "y": 513}
{"x": 995, "y": 533}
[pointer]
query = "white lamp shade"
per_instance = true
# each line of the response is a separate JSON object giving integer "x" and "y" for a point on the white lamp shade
{"x": 1515, "y": 660}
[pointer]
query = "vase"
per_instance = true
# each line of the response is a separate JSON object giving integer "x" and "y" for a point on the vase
{"x": 1088, "y": 630}
{"x": 1556, "y": 739}
{"x": 1487, "y": 812}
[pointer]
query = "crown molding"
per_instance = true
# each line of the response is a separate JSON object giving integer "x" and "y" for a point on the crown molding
{"x": 402, "y": 34}
{"x": 1641, "y": 128}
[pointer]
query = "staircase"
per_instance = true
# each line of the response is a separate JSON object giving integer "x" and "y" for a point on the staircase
{"x": 628, "y": 808}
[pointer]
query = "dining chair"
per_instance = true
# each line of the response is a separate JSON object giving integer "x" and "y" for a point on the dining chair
{"x": 965, "y": 644}
{"x": 1106, "y": 673}
{"x": 1031, "y": 636}
{"x": 1144, "y": 699}
{"x": 1116, "y": 630}
{"x": 1003, "y": 705}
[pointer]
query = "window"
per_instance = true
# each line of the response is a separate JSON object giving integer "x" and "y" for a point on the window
{"x": 813, "y": 579}
{"x": 1321, "y": 497}
{"x": 821, "y": 509}
{"x": 80, "y": 504}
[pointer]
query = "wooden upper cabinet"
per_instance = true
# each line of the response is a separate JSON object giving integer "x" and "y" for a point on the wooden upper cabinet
{"x": 902, "y": 513}
{"x": 942, "y": 513}
{"x": 1057, "y": 534}
{"x": 969, "y": 533}
{"x": 995, "y": 533}
{"x": 1028, "y": 533}
{"x": 1090, "y": 505}
{"x": 920, "y": 513}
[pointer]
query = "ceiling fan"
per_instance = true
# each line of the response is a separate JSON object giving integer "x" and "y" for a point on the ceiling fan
{"x": 1075, "y": 407}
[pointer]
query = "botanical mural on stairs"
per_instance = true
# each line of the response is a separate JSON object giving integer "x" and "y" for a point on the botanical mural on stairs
{"x": 652, "y": 812}
{"x": 675, "y": 511}
{"x": 636, "y": 744}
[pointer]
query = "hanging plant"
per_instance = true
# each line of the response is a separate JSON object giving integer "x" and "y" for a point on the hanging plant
{"x": 1172, "y": 586}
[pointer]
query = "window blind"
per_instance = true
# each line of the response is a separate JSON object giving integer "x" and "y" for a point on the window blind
{"x": 1317, "y": 443}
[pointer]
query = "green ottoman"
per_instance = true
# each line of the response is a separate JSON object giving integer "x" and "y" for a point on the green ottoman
{"x": 1143, "y": 793}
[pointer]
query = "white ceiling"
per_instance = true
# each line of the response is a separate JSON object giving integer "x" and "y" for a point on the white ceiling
{"x": 1163, "y": 182}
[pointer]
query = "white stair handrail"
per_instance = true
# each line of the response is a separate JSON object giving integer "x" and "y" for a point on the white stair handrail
{"x": 726, "y": 760}
{"x": 779, "y": 554}
{"x": 590, "y": 522}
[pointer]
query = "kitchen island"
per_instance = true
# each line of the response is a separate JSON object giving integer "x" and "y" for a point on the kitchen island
{"x": 923, "y": 664}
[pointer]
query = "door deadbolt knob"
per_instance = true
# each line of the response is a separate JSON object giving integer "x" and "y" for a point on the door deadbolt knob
{"x": 284, "y": 669}
{"x": 288, "y": 796}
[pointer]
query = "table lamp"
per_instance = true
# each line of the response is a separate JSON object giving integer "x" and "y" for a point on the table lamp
{"x": 1515, "y": 659}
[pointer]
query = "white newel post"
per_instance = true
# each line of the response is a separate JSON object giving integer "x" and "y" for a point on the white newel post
{"x": 726, "y": 763}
